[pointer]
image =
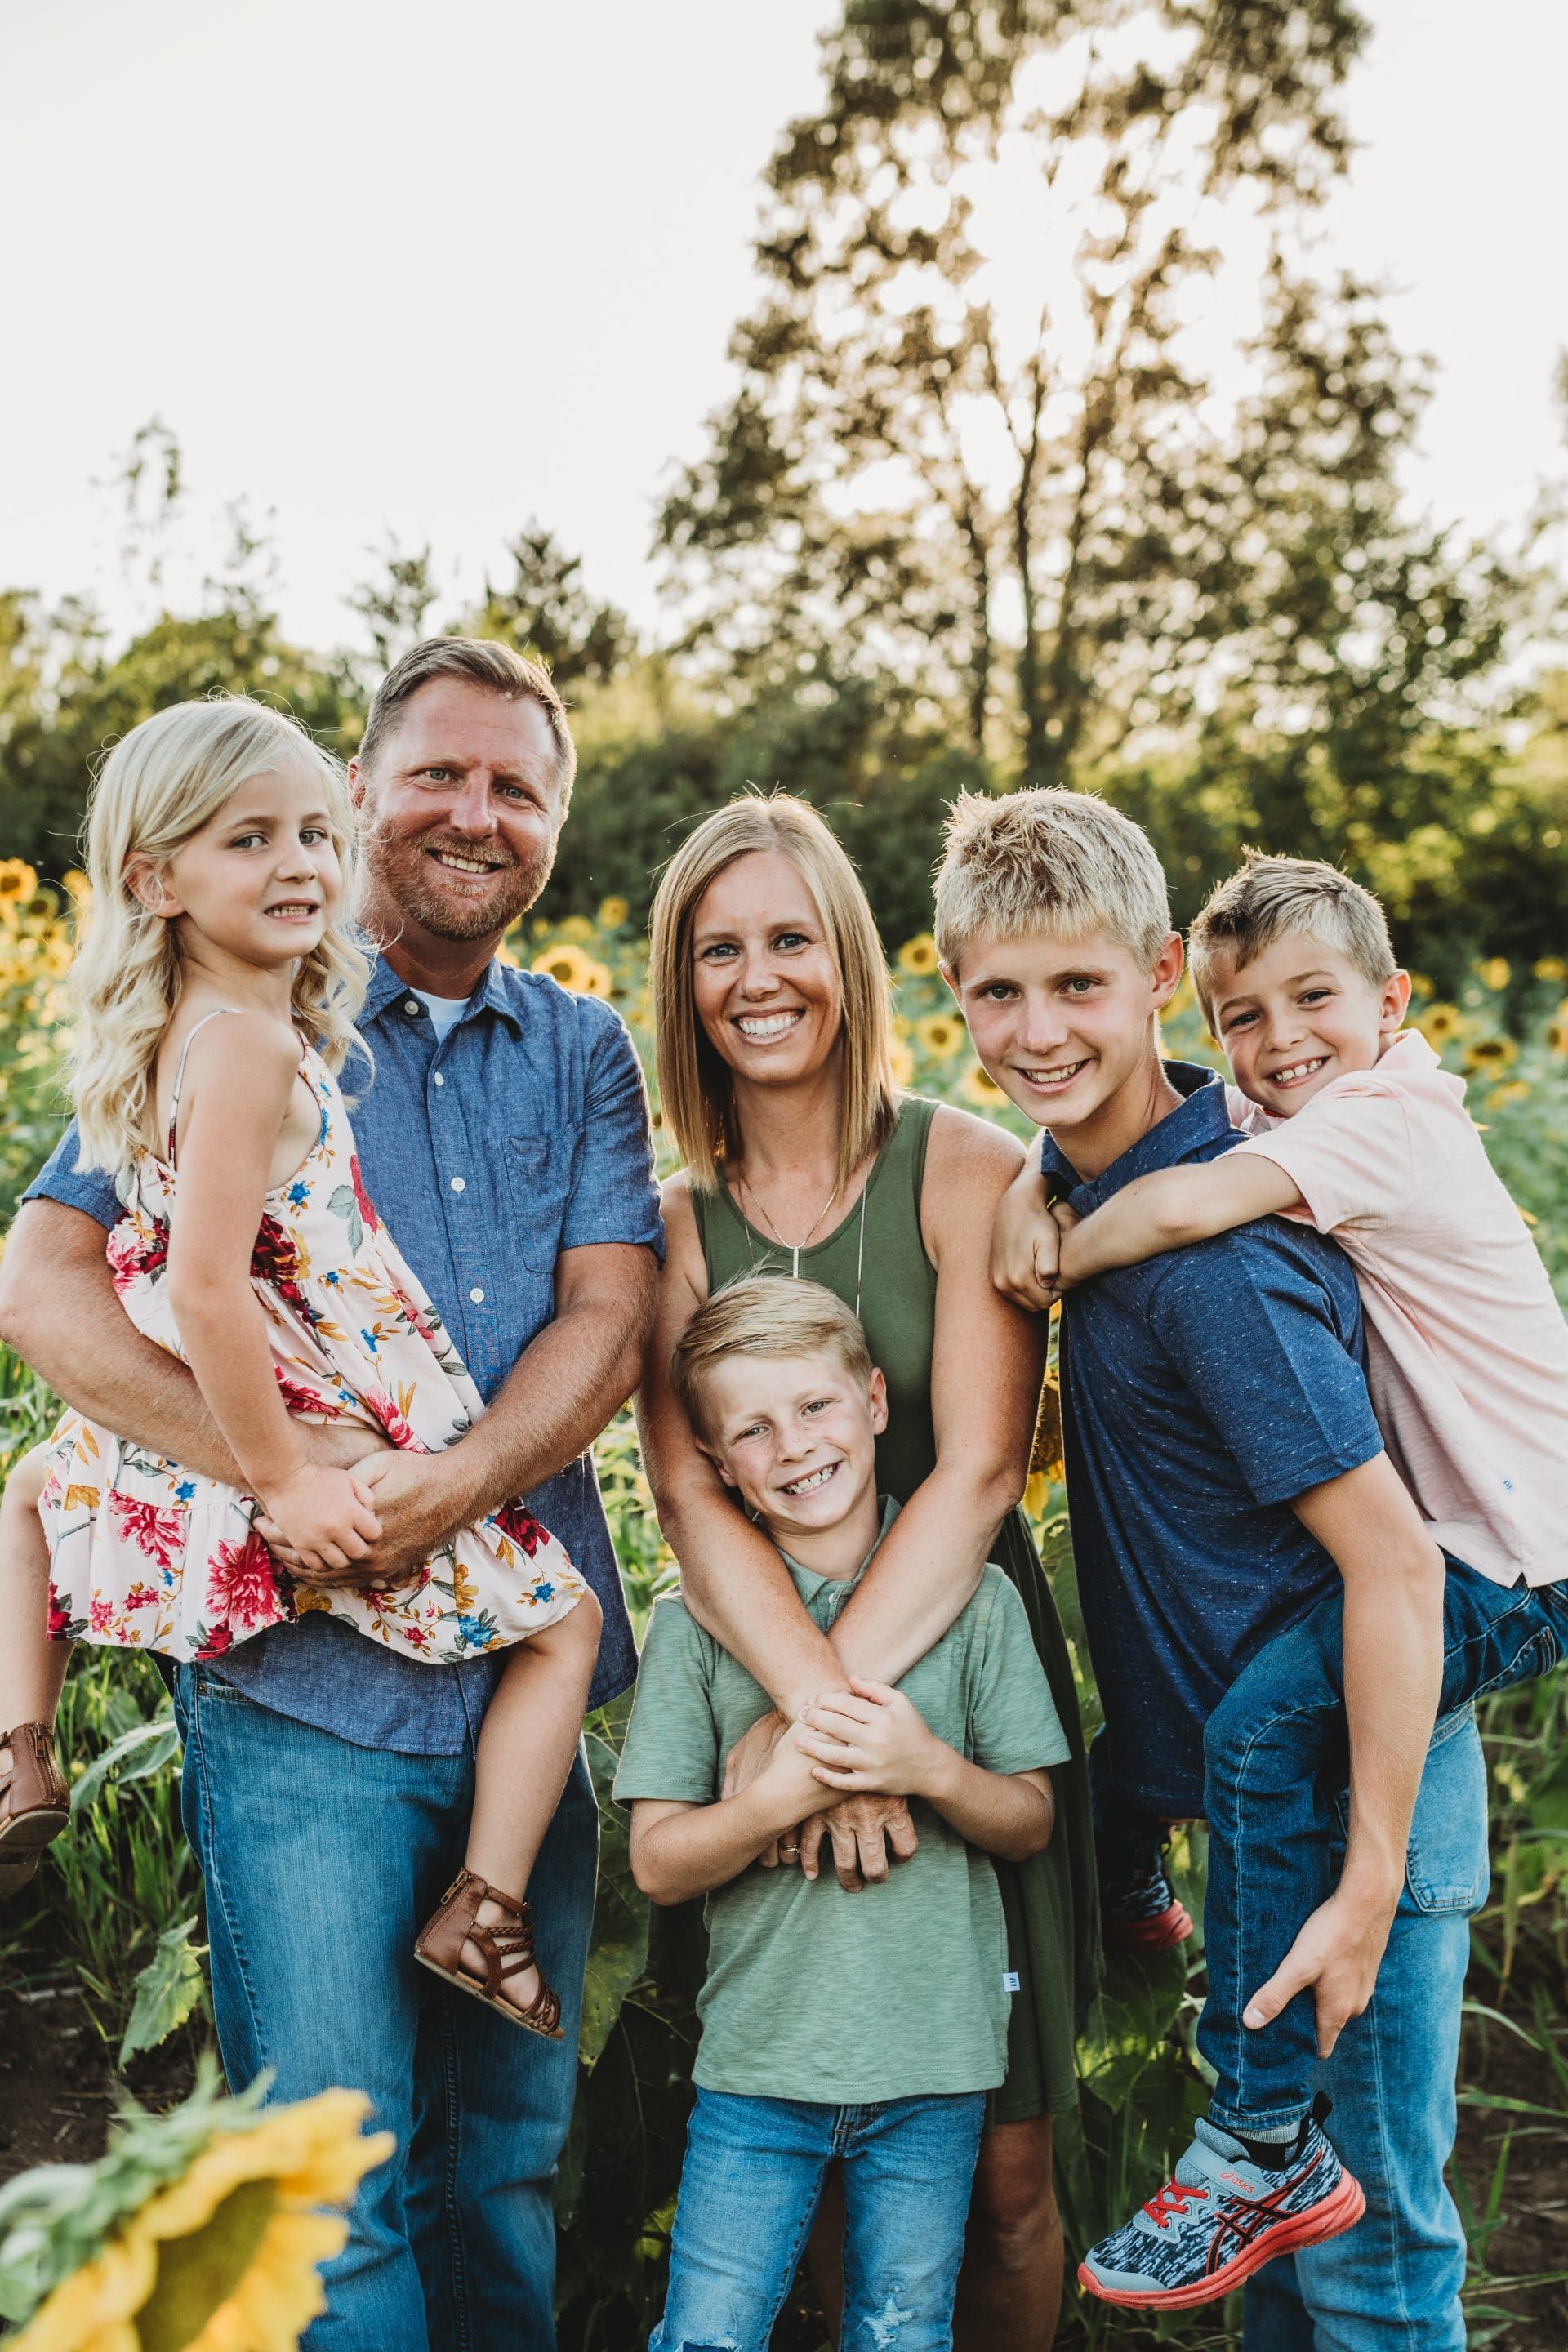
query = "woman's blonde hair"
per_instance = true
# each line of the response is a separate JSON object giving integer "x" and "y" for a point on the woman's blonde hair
{"x": 157, "y": 788}
{"x": 695, "y": 1088}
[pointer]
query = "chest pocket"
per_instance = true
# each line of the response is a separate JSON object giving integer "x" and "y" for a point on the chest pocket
{"x": 539, "y": 1173}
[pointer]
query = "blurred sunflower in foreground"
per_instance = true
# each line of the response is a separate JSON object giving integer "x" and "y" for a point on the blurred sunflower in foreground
{"x": 200, "y": 2231}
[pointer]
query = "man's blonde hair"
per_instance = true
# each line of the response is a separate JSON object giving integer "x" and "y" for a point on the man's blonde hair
{"x": 1271, "y": 896}
{"x": 1048, "y": 861}
{"x": 695, "y": 1088}
{"x": 766, "y": 1314}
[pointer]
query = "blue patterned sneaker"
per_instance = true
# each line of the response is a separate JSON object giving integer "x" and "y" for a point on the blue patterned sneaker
{"x": 1223, "y": 2217}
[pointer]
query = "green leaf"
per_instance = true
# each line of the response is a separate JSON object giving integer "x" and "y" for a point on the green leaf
{"x": 136, "y": 1755}
{"x": 167, "y": 1990}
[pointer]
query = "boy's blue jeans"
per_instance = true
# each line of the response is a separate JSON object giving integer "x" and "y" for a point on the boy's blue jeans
{"x": 749, "y": 2188}
{"x": 321, "y": 1861}
{"x": 1276, "y": 1759}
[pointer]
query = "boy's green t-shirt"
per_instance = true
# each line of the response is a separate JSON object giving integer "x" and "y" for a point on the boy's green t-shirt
{"x": 898, "y": 1991}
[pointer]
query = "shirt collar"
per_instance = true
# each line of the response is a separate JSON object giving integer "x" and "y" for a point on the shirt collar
{"x": 1202, "y": 1118}
{"x": 808, "y": 1584}
{"x": 490, "y": 994}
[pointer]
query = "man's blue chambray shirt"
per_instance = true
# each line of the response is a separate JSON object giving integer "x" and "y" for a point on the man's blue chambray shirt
{"x": 524, "y": 1134}
{"x": 1201, "y": 1392}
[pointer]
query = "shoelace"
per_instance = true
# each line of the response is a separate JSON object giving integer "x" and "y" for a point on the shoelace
{"x": 1174, "y": 2198}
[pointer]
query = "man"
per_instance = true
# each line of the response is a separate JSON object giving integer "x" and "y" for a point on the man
{"x": 504, "y": 1138}
{"x": 1228, "y": 1486}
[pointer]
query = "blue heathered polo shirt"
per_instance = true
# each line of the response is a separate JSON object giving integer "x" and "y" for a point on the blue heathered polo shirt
{"x": 523, "y": 1133}
{"x": 1201, "y": 1392}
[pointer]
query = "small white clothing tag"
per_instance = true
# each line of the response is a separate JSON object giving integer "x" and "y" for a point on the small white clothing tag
{"x": 1010, "y": 1980}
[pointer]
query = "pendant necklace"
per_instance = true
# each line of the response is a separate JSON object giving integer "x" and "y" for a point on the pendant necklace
{"x": 794, "y": 1248}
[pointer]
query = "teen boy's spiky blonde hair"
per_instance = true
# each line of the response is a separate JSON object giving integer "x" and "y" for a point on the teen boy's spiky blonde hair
{"x": 765, "y": 1315}
{"x": 1048, "y": 860}
{"x": 1272, "y": 896}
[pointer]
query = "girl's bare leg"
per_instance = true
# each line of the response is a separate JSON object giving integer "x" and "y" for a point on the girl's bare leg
{"x": 526, "y": 1742}
{"x": 32, "y": 1667}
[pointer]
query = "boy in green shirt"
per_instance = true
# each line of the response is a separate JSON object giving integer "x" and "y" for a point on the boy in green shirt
{"x": 860, "y": 2027}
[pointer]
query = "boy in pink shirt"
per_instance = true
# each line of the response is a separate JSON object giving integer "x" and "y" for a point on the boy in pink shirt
{"x": 1353, "y": 1127}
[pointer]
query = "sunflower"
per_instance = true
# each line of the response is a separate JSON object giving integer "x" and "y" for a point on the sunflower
{"x": 1552, "y": 968}
{"x": 17, "y": 879}
{"x": 1421, "y": 987}
{"x": 1439, "y": 1023}
{"x": 1512, "y": 1090}
{"x": 1491, "y": 1055}
{"x": 1496, "y": 971}
{"x": 902, "y": 1062}
{"x": 942, "y": 1035}
{"x": 918, "y": 955}
{"x": 1557, "y": 1029}
{"x": 980, "y": 1086}
{"x": 223, "y": 2257}
{"x": 612, "y": 912}
{"x": 567, "y": 965}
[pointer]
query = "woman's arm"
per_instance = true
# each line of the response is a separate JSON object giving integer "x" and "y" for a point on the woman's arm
{"x": 1170, "y": 1209}
{"x": 987, "y": 1364}
{"x": 732, "y": 1577}
{"x": 238, "y": 1089}
{"x": 874, "y": 1741}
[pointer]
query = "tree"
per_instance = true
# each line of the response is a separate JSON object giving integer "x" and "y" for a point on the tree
{"x": 545, "y": 612}
{"x": 1043, "y": 515}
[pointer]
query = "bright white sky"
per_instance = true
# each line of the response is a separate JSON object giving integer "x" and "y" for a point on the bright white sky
{"x": 390, "y": 267}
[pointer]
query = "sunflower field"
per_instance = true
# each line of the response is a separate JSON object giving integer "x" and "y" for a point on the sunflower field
{"x": 115, "y": 1920}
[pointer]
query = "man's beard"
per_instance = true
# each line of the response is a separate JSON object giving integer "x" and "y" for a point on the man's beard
{"x": 400, "y": 868}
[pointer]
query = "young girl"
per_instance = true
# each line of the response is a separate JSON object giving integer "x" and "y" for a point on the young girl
{"x": 214, "y": 998}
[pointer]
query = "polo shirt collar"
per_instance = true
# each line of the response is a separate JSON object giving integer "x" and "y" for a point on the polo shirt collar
{"x": 808, "y": 1584}
{"x": 1202, "y": 1118}
{"x": 489, "y": 995}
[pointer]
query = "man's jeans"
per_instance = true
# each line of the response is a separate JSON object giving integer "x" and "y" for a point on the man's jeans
{"x": 1277, "y": 1758}
{"x": 321, "y": 1861}
{"x": 749, "y": 2193}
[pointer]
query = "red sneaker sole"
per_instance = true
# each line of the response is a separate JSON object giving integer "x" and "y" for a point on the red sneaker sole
{"x": 1315, "y": 2227}
{"x": 1172, "y": 1927}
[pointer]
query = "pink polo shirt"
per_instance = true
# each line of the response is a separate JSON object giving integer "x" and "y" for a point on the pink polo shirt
{"x": 1467, "y": 1345}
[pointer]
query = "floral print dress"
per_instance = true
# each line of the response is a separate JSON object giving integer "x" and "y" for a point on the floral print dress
{"x": 149, "y": 1556}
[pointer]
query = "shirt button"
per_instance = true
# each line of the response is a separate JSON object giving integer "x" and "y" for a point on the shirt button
{"x": 411, "y": 1004}
{"x": 478, "y": 1295}
{"x": 457, "y": 1184}
{"x": 438, "y": 1080}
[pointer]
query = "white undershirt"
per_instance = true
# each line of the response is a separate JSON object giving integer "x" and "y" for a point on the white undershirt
{"x": 444, "y": 1012}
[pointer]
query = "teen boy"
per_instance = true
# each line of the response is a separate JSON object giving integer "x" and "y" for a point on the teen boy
{"x": 1356, "y": 1130}
{"x": 1225, "y": 1476}
{"x": 837, "y": 2026}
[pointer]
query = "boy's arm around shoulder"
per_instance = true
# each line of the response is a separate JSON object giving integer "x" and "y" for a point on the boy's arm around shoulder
{"x": 1172, "y": 1208}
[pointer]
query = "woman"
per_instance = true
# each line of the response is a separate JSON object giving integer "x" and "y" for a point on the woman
{"x": 774, "y": 1058}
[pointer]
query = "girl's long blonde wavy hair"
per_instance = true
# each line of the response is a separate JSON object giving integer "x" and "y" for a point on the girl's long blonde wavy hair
{"x": 157, "y": 788}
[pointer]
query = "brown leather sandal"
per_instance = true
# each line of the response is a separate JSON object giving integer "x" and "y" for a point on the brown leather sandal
{"x": 35, "y": 1804}
{"x": 507, "y": 1945}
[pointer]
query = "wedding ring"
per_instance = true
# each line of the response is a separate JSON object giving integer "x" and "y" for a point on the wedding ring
{"x": 788, "y": 1853}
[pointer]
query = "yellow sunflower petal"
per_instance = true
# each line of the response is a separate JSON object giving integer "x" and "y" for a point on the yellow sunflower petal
{"x": 90, "y": 2311}
{"x": 918, "y": 955}
{"x": 981, "y": 1087}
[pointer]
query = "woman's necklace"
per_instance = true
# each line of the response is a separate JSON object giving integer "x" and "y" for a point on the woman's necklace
{"x": 794, "y": 1248}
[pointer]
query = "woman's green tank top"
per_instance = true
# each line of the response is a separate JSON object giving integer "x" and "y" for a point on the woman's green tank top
{"x": 878, "y": 1265}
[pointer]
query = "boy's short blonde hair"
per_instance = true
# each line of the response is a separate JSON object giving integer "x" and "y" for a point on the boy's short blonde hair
{"x": 764, "y": 1315}
{"x": 1271, "y": 896}
{"x": 1048, "y": 860}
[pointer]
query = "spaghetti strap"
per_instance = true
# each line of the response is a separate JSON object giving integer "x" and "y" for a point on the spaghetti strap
{"x": 216, "y": 1015}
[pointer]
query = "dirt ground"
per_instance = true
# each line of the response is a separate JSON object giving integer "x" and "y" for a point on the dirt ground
{"x": 57, "y": 2086}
